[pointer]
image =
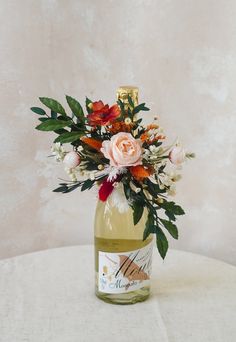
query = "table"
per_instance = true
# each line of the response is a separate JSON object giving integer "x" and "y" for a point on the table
{"x": 49, "y": 296}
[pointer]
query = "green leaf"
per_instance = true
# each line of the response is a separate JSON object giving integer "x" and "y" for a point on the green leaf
{"x": 149, "y": 226}
{"x": 42, "y": 119}
{"x": 140, "y": 107}
{"x": 76, "y": 108}
{"x": 162, "y": 242}
{"x": 60, "y": 131}
{"x": 122, "y": 107}
{"x": 52, "y": 125}
{"x": 53, "y": 105}
{"x": 53, "y": 115}
{"x": 137, "y": 212}
{"x": 153, "y": 188}
{"x": 88, "y": 101}
{"x": 127, "y": 191}
{"x": 170, "y": 215}
{"x": 68, "y": 137}
{"x": 131, "y": 103}
{"x": 171, "y": 227}
{"x": 38, "y": 110}
{"x": 87, "y": 185}
{"x": 174, "y": 208}
{"x": 67, "y": 187}
{"x": 60, "y": 189}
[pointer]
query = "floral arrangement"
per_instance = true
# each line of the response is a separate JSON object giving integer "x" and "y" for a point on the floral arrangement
{"x": 126, "y": 160}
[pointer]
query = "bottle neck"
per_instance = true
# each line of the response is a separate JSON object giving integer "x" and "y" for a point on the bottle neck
{"x": 123, "y": 94}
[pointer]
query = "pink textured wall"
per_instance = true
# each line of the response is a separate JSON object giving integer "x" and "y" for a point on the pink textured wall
{"x": 181, "y": 54}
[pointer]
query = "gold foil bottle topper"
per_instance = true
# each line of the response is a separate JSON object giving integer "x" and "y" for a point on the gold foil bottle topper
{"x": 124, "y": 91}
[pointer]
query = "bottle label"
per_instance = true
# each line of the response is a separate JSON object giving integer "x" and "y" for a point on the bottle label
{"x": 125, "y": 271}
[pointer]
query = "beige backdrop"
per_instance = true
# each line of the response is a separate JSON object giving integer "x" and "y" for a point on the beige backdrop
{"x": 181, "y": 54}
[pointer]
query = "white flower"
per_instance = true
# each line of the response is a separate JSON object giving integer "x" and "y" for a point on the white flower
{"x": 58, "y": 151}
{"x": 92, "y": 176}
{"x": 80, "y": 148}
{"x": 171, "y": 191}
{"x": 71, "y": 173}
{"x": 154, "y": 149}
{"x": 175, "y": 177}
{"x": 116, "y": 171}
{"x": 118, "y": 199}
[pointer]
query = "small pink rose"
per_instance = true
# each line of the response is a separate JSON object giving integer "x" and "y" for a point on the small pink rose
{"x": 122, "y": 150}
{"x": 71, "y": 160}
{"x": 177, "y": 155}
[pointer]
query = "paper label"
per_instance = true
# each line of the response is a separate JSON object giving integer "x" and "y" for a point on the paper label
{"x": 125, "y": 271}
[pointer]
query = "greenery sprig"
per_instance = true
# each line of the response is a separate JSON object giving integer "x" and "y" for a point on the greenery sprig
{"x": 144, "y": 185}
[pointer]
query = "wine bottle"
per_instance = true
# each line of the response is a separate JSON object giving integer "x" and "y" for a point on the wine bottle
{"x": 122, "y": 258}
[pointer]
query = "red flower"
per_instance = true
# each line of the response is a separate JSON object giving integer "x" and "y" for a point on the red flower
{"x": 105, "y": 190}
{"x": 102, "y": 115}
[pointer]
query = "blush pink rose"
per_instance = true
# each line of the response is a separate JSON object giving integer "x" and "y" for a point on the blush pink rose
{"x": 122, "y": 150}
{"x": 177, "y": 155}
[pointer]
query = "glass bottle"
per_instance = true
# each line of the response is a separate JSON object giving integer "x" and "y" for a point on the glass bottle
{"x": 122, "y": 258}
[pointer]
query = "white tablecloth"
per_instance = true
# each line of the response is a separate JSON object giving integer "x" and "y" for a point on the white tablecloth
{"x": 49, "y": 297}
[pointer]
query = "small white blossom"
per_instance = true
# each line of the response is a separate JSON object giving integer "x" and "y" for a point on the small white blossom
{"x": 116, "y": 171}
{"x": 171, "y": 191}
{"x": 128, "y": 121}
{"x": 72, "y": 173}
{"x": 58, "y": 151}
{"x": 92, "y": 176}
{"x": 175, "y": 177}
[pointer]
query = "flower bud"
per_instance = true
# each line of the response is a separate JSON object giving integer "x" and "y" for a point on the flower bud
{"x": 71, "y": 160}
{"x": 100, "y": 167}
{"x": 177, "y": 155}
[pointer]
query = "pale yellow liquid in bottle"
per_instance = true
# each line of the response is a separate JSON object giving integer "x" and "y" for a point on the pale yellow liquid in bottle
{"x": 114, "y": 233}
